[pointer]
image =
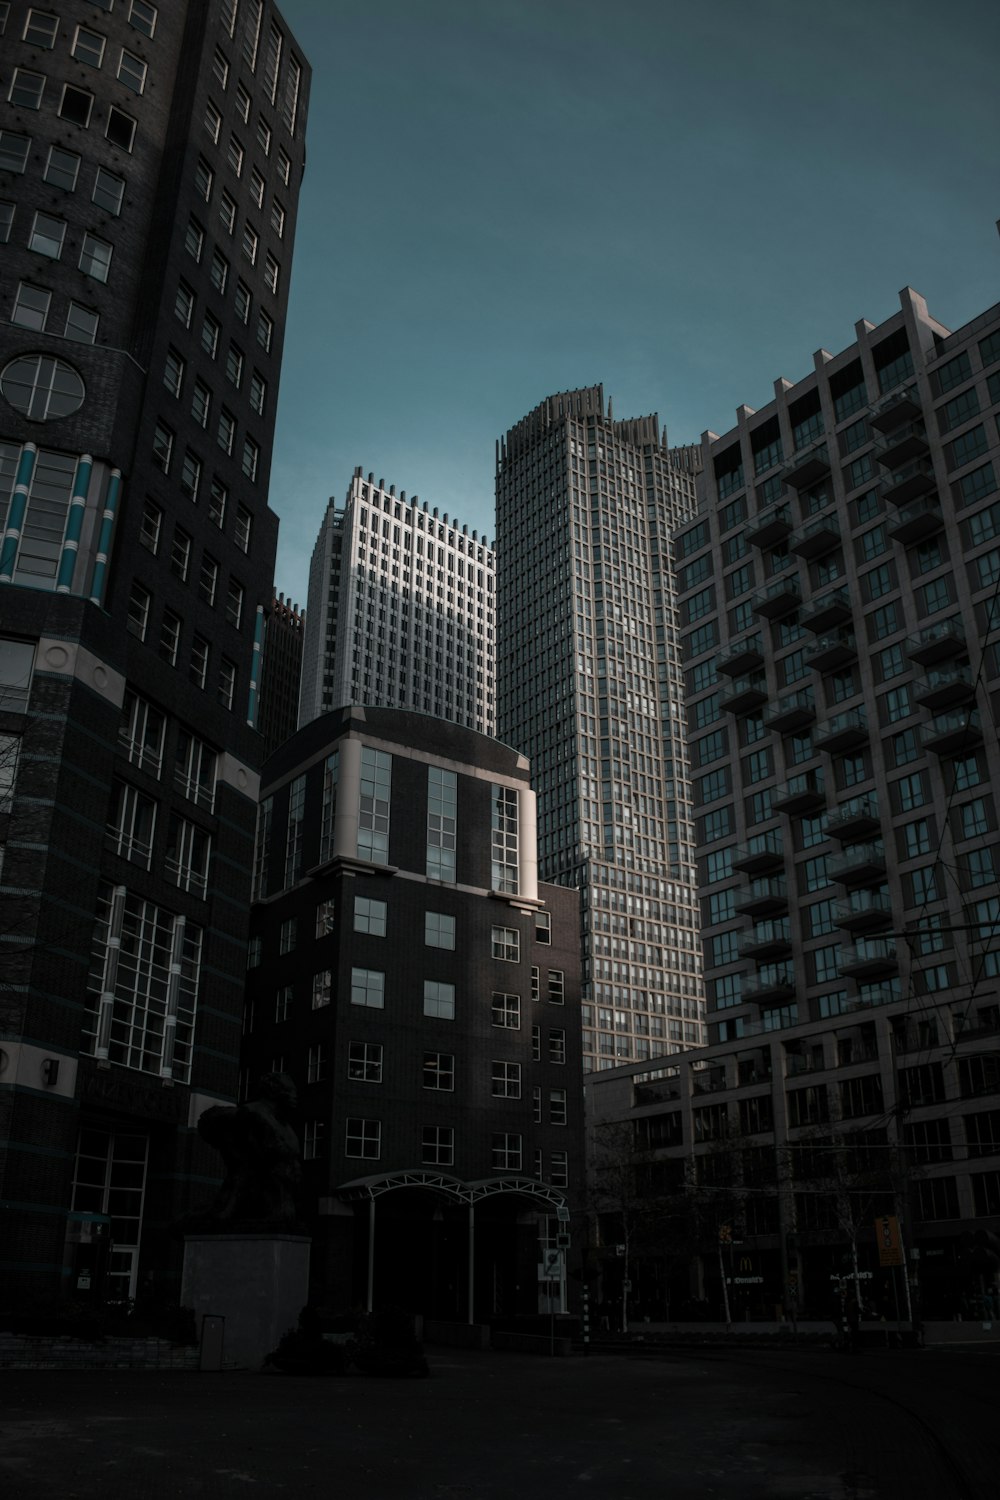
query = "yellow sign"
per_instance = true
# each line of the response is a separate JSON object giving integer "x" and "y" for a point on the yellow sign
{"x": 890, "y": 1244}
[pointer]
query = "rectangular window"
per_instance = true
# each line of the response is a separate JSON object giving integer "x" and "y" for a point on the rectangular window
{"x": 95, "y": 257}
{"x": 225, "y": 434}
{"x": 439, "y": 1000}
{"x": 557, "y": 1106}
{"x": 258, "y": 392}
{"x": 506, "y": 1011}
{"x": 442, "y": 823}
{"x": 369, "y": 916}
{"x": 251, "y": 458}
{"x": 190, "y": 476}
{"x": 439, "y": 930}
{"x": 180, "y": 554}
{"x": 322, "y": 990}
{"x": 219, "y": 271}
{"x": 271, "y": 272}
{"x": 364, "y": 1062}
{"x": 363, "y": 1138}
{"x": 557, "y": 987}
{"x": 26, "y": 89}
{"x": 173, "y": 372}
{"x": 234, "y": 603}
{"x": 295, "y": 835}
{"x": 557, "y": 1045}
{"x": 31, "y": 307}
{"x": 130, "y": 825}
{"x": 506, "y": 1152}
{"x": 265, "y": 331}
{"x": 507, "y": 944}
{"x": 505, "y": 1080}
{"x": 217, "y": 498}
{"x": 120, "y": 129}
{"x": 504, "y": 874}
{"x": 13, "y": 151}
{"x": 198, "y": 666}
{"x": 368, "y": 988}
{"x": 170, "y": 637}
{"x": 226, "y": 690}
{"x": 234, "y": 366}
{"x": 437, "y": 1145}
{"x": 47, "y": 235}
{"x": 201, "y": 403}
{"x": 227, "y": 212}
{"x": 242, "y": 528}
{"x": 132, "y": 71}
{"x": 439, "y": 1071}
{"x": 62, "y": 168}
{"x": 188, "y": 854}
{"x": 373, "y": 805}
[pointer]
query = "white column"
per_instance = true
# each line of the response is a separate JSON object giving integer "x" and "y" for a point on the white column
{"x": 527, "y": 844}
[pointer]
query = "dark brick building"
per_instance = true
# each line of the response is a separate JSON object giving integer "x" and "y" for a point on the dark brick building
{"x": 422, "y": 989}
{"x": 150, "y": 162}
{"x": 281, "y": 669}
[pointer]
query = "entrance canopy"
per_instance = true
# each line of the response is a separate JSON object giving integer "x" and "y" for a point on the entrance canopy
{"x": 366, "y": 1188}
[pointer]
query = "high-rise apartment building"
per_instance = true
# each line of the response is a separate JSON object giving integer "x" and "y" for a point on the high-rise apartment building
{"x": 400, "y": 612}
{"x": 590, "y": 688}
{"x": 150, "y": 162}
{"x": 840, "y": 598}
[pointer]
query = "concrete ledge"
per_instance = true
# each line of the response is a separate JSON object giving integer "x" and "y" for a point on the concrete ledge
{"x": 530, "y": 1343}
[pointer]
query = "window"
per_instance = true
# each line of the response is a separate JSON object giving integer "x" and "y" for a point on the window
{"x": 243, "y": 302}
{"x": 163, "y": 447}
{"x": 170, "y": 636}
{"x": 363, "y": 1138}
{"x": 258, "y": 391}
{"x": 203, "y": 177}
{"x": 442, "y": 808}
{"x": 271, "y": 272}
{"x": 877, "y": 582}
{"x": 316, "y": 1063}
{"x": 251, "y": 458}
{"x": 120, "y": 129}
{"x": 368, "y": 988}
{"x": 156, "y": 977}
{"x": 198, "y": 666}
{"x": 47, "y": 235}
{"x": 369, "y": 916}
{"x": 31, "y": 307}
{"x": 226, "y": 691}
{"x": 934, "y": 596}
{"x": 439, "y": 1000}
{"x": 188, "y": 853}
{"x": 439, "y": 1071}
{"x": 439, "y": 930}
{"x": 234, "y": 603}
{"x": 95, "y": 257}
{"x": 364, "y": 1062}
{"x": 283, "y": 1004}
{"x": 142, "y": 732}
{"x": 506, "y": 1152}
{"x": 210, "y": 330}
{"x": 227, "y": 212}
{"x": 313, "y": 1137}
{"x": 219, "y": 271}
{"x": 13, "y": 151}
{"x": 557, "y": 987}
{"x": 220, "y": 68}
{"x": 81, "y": 324}
{"x": 242, "y": 99}
{"x": 257, "y": 188}
{"x": 217, "y": 498}
{"x": 322, "y": 989}
{"x": 507, "y": 944}
{"x": 965, "y": 448}
{"x": 26, "y": 89}
{"x": 190, "y": 476}
{"x": 505, "y": 1080}
{"x": 173, "y": 372}
{"x": 180, "y": 555}
{"x": 974, "y": 818}
{"x": 201, "y": 401}
{"x": 184, "y": 305}
{"x": 241, "y": 530}
{"x": 909, "y": 792}
{"x": 138, "y": 611}
{"x": 249, "y": 244}
{"x": 132, "y": 72}
{"x": 437, "y": 1145}
{"x": 277, "y": 218}
{"x": 234, "y": 155}
{"x": 264, "y": 135}
{"x": 225, "y": 434}
{"x": 40, "y": 29}
{"x": 62, "y": 168}
{"x": 234, "y": 366}
{"x": 265, "y": 330}
{"x": 976, "y": 868}
{"x": 505, "y": 1011}
{"x": 209, "y": 579}
{"x": 557, "y": 1045}
{"x": 149, "y": 531}
{"x": 557, "y": 1106}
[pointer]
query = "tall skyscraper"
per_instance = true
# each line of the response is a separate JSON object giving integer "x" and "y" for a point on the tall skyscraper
{"x": 840, "y": 592}
{"x": 590, "y": 688}
{"x": 281, "y": 673}
{"x": 151, "y": 158}
{"x": 400, "y": 612}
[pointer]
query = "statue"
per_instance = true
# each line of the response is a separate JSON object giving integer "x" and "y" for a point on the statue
{"x": 262, "y": 1159}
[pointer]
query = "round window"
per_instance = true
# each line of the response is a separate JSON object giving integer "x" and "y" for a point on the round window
{"x": 41, "y": 387}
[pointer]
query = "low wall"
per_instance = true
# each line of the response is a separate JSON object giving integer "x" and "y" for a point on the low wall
{"x": 530, "y": 1343}
{"x": 935, "y": 1332}
{"x": 456, "y": 1335}
{"x": 25, "y": 1351}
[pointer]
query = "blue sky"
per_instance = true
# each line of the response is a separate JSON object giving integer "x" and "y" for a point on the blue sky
{"x": 507, "y": 198}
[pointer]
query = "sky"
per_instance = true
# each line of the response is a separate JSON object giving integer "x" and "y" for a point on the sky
{"x": 682, "y": 201}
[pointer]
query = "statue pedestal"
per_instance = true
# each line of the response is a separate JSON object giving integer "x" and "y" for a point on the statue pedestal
{"x": 258, "y": 1282}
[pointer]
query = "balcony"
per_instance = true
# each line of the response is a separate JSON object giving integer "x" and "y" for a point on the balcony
{"x": 741, "y": 657}
{"x": 828, "y": 652}
{"x": 854, "y": 819}
{"x": 904, "y": 443}
{"x": 945, "y": 687}
{"x": 779, "y": 597}
{"x": 843, "y": 732}
{"x": 763, "y": 897}
{"x": 899, "y": 408}
{"x": 743, "y": 694}
{"x": 807, "y": 467}
{"x": 858, "y": 866}
{"x": 870, "y": 958}
{"x": 828, "y": 610}
{"x": 770, "y": 985}
{"x": 770, "y": 526}
{"x": 765, "y": 851}
{"x": 918, "y": 520}
{"x": 708, "y": 1080}
{"x": 910, "y": 483}
{"x": 951, "y": 732}
{"x": 767, "y": 940}
{"x": 793, "y": 711}
{"x": 816, "y": 537}
{"x": 863, "y": 911}
{"x": 938, "y": 642}
{"x": 803, "y": 793}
